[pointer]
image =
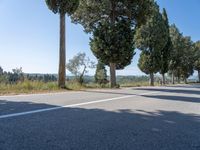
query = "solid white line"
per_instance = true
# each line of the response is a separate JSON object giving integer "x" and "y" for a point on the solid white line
{"x": 72, "y": 105}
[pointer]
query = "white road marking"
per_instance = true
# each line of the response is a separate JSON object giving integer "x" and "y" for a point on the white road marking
{"x": 71, "y": 105}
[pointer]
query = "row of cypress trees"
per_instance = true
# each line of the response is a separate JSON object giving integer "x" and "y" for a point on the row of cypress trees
{"x": 118, "y": 27}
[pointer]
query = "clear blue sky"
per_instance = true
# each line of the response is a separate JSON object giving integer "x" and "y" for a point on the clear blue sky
{"x": 29, "y": 34}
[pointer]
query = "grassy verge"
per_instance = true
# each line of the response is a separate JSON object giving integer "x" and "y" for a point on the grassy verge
{"x": 134, "y": 84}
{"x": 31, "y": 87}
{"x": 27, "y": 87}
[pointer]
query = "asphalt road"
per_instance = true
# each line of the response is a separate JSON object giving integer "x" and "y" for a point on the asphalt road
{"x": 158, "y": 118}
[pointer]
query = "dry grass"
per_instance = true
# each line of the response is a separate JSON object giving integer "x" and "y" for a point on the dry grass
{"x": 29, "y": 87}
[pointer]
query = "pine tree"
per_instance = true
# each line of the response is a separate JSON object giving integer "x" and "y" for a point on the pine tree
{"x": 62, "y": 7}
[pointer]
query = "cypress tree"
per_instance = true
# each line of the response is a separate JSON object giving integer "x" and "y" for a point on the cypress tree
{"x": 166, "y": 51}
{"x": 113, "y": 45}
{"x": 110, "y": 13}
{"x": 151, "y": 39}
{"x": 101, "y": 73}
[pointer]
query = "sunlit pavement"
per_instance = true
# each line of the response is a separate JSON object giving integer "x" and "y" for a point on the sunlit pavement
{"x": 158, "y": 118}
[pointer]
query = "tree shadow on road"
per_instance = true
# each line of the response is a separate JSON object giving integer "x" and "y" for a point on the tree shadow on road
{"x": 175, "y": 98}
{"x": 97, "y": 129}
{"x": 167, "y": 89}
{"x": 192, "y": 86}
{"x": 178, "y": 91}
{"x": 9, "y": 107}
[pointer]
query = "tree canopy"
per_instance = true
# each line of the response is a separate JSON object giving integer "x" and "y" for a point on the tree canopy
{"x": 176, "y": 46}
{"x": 145, "y": 64}
{"x": 107, "y": 16}
{"x": 78, "y": 66}
{"x": 151, "y": 38}
{"x": 197, "y": 56}
{"x": 91, "y": 12}
{"x": 113, "y": 43}
{"x": 187, "y": 57}
{"x": 166, "y": 51}
{"x": 152, "y": 35}
{"x": 63, "y": 6}
{"x": 101, "y": 73}
{"x": 182, "y": 54}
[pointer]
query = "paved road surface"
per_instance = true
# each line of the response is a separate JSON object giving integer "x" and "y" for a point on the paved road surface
{"x": 159, "y": 118}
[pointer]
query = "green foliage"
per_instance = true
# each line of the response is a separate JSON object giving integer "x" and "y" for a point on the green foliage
{"x": 91, "y": 12}
{"x": 187, "y": 58}
{"x": 128, "y": 79}
{"x": 133, "y": 81}
{"x": 166, "y": 51}
{"x": 135, "y": 84}
{"x": 41, "y": 77}
{"x": 197, "y": 56}
{"x": 1, "y": 70}
{"x": 78, "y": 66}
{"x": 12, "y": 77}
{"x": 74, "y": 85}
{"x": 182, "y": 54}
{"x": 101, "y": 73}
{"x": 151, "y": 38}
{"x": 175, "y": 57}
{"x": 92, "y": 85}
{"x": 17, "y": 76}
{"x": 62, "y": 6}
{"x": 28, "y": 87}
{"x": 107, "y": 16}
{"x": 113, "y": 43}
{"x": 148, "y": 63}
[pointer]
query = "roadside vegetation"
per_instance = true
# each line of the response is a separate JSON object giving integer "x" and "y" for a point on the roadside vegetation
{"x": 117, "y": 29}
{"x": 17, "y": 82}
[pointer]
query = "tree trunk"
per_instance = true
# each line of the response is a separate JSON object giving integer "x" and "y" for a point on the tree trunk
{"x": 151, "y": 79}
{"x": 199, "y": 74}
{"x": 185, "y": 79}
{"x": 62, "y": 54}
{"x": 163, "y": 79}
{"x": 112, "y": 75}
{"x": 179, "y": 79}
{"x": 82, "y": 75}
{"x": 173, "y": 77}
{"x": 179, "y": 76}
{"x": 113, "y": 65}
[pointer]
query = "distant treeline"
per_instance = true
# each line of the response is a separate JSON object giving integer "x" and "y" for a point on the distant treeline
{"x": 128, "y": 79}
{"x": 120, "y": 79}
{"x": 17, "y": 75}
